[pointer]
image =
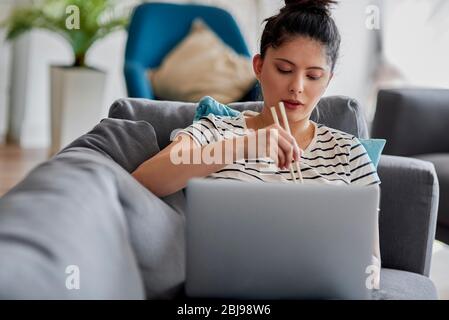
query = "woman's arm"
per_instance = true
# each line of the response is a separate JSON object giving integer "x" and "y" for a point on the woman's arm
{"x": 163, "y": 176}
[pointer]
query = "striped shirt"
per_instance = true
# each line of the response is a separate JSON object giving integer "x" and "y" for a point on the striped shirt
{"x": 332, "y": 157}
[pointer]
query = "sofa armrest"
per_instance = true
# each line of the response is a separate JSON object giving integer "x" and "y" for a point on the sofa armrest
{"x": 67, "y": 213}
{"x": 414, "y": 121}
{"x": 408, "y": 212}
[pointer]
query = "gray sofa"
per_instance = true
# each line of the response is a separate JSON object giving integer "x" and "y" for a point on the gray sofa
{"x": 82, "y": 208}
{"x": 415, "y": 123}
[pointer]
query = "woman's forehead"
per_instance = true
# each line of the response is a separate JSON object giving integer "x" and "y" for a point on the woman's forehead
{"x": 300, "y": 51}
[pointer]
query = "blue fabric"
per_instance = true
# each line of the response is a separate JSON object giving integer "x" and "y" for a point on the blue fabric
{"x": 209, "y": 105}
{"x": 156, "y": 28}
{"x": 374, "y": 148}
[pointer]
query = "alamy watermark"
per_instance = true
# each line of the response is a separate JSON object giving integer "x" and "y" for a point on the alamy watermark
{"x": 72, "y": 22}
{"x": 372, "y": 21}
{"x": 258, "y": 144}
{"x": 372, "y": 281}
{"x": 72, "y": 281}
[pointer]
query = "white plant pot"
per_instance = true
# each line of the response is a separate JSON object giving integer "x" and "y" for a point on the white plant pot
{"x": 76, "y": 103}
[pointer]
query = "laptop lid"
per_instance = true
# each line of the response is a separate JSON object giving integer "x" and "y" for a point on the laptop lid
{"x": 278, "y": 241}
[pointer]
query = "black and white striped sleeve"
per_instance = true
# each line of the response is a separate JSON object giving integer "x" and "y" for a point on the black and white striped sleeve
{"x": 361, "y": 167}
{"x": 203, "y": 131}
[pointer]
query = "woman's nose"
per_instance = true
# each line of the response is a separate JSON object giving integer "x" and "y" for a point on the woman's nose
{"x": 297, "y": 85}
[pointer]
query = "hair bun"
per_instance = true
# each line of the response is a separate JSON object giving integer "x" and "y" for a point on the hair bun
{"x": 322, "y": 6}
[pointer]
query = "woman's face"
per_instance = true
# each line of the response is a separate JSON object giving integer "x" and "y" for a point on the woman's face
{"x": 296, "y": 72}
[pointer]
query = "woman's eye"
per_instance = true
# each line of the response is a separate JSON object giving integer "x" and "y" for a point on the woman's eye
{"x": 284, "y": 71}
{"x": 314, "y": 78}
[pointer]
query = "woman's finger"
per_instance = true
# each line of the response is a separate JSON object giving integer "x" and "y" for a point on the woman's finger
{"x": 287, "y": 149}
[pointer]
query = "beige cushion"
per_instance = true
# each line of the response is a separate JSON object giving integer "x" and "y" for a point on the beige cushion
{"x": 202, "y": 64}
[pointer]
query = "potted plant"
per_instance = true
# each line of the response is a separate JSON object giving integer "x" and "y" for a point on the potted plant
{"x": 76, "y": 90}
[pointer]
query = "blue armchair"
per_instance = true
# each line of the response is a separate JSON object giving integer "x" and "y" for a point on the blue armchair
{"x": 156, "y": 28}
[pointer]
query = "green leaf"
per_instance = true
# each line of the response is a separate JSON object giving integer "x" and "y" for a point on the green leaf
{"x": 98, "y": 18}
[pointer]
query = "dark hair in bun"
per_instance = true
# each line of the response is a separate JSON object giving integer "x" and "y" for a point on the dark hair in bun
{"x": 319, "y": 6}
{"x": 308, "y": 18}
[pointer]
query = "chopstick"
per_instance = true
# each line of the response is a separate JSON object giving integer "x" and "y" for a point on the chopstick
{"x": 287, "y": 128}
{"x": 276, "y": 120}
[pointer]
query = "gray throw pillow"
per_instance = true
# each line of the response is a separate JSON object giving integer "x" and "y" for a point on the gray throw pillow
{"x": 127, "y": 142}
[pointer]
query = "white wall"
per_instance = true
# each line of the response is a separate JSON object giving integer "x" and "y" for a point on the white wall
{"x": 358, "y": 57}
{"x": 421, "y": 57}
{"x": 31, "y": 86}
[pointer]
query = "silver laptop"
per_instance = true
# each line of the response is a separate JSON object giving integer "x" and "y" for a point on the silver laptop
{"x": 278, "y": 241}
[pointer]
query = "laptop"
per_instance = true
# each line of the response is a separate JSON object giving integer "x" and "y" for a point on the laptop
{"x": 278, "y": 241}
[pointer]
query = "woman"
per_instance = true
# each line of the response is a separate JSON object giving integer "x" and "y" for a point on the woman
{"x": 298, "y": 53}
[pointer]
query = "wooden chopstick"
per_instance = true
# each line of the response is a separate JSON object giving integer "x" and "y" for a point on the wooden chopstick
{"x": 287, "y": 127}
{"x": 276, "y": 120}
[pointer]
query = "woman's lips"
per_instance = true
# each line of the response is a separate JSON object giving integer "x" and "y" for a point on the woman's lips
{"x": 292, "y": 105}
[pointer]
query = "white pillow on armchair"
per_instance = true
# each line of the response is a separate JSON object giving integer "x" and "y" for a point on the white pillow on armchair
{"x": 202, "y": 64}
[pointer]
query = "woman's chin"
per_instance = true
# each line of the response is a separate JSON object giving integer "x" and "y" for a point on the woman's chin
{"x": 294, "y": 112}
{"x": 297, "y": 115}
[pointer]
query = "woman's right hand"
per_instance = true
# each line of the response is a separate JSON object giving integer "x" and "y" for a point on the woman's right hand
{"x": 278, "y": 144}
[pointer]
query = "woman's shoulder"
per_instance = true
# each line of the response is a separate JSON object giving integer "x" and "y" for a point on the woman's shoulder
{"x": 343, "y": 143}
{"x": 224, "y": 122}
{"x": 328, "y": 135}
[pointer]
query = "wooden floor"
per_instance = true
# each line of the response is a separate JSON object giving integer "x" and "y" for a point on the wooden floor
{"x": 16, "y": 162}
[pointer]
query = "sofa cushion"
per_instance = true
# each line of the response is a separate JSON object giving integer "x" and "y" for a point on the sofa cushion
{"x": 127, "y": 142}
{"x": 374, "y": 148}
{"x": 337, "y": 112}
{"x": 403, "y": 285}
{"x": 413, "y": 120}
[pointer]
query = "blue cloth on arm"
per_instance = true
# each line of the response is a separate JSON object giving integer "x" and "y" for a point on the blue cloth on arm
{"x": 209, "y": 105}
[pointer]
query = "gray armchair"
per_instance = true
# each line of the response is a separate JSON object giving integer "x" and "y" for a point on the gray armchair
{"x": 82, "y": 207}
{"x": 415, "y": 121}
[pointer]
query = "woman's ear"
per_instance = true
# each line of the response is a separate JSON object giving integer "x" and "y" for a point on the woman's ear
{"x": 257, "y": 65}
